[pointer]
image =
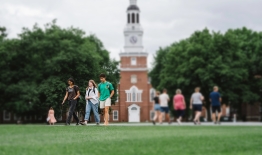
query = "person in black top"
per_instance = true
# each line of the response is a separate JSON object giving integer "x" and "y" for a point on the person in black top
{"x": 72, "y": 94}
{"x": 157, "y": 108}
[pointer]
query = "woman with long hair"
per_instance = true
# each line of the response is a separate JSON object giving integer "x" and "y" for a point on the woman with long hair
{"x": 51, "y": 116}
{"x": 72, "y": 94}
{"x": 92, "y": 102}
{"x": 157, "y": 108}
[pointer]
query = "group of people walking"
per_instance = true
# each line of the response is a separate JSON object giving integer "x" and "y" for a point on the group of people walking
{"x": 101, "y": 94}
{"x": 96, "y": 95}
{"x": 196, "y": 101}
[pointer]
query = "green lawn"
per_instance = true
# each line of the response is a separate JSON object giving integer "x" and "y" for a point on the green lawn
{"x": 134, "y": 140}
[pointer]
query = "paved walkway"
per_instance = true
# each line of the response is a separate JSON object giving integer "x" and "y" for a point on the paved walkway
{"x": 182, "y": 124}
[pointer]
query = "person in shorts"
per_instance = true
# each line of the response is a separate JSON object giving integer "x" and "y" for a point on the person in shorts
{"x": 215, "y": 100}
{"x": 157, "y": 108}
{"x": 179, "y": 105}
{"x": 196, "y": 103}
{"x": 164, "y": 99}
{"x": 105, "y": 93}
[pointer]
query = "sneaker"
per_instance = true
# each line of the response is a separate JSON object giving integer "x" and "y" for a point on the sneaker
{"x": 195, "y": 122}
{"x": 218, "y": 122}
{"x": 154, "y": 123}
{"x": 67, "y": 124}
{"x": 178, "y": 121}
{"x": 215, "y": 123}
{"x": 169, "y": 122}
{"x": 97, "y": 123}
{"x": 83, "y": 123}
{"x": 78, "y": 123}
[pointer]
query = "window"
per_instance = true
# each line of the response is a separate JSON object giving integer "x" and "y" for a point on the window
{"x": 133, "y": 108}
{"x": 28, "y": 118}
{"x": 133, "y": 61}
{"x": 133, "y": 94}
{"x": 115, "y": 115}
{"x": 128, "y": 18}
{"x": 151, "y": 95}
{"x": 7, "y": 116}
{"x": 15, "y": 117}
{"x": 133, "y": 79}
{"x": 137, "y": 18}
{"x": 40, "y": 118}
{"x": 152, "y": 114}
{"x": 117, "y": 93}
{"x": 133, "y": 18}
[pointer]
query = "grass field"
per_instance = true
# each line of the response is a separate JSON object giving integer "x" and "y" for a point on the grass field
{"x": 130, "y": 140}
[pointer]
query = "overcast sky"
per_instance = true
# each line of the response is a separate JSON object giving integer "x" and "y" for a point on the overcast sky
{"x": 164, "y": 21}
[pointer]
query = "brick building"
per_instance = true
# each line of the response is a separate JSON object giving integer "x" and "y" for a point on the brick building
{"x": 135, "y": 91}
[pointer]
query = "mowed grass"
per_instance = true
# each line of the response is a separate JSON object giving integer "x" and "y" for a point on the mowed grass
{"x": 130, "y": 140}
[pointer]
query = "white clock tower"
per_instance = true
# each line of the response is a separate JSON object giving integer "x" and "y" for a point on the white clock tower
{"x": 133, "y": 30}
{"x": 134, "y": 102}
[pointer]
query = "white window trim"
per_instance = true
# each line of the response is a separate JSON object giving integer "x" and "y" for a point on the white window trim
{"x": 138, "y": 94}
{"x": 117, "y": 93}
{"x": 116, "y": 115}
{"x": 151, "y": 99}
{"x": 133, "y": 61}
{"x": 133, "y": 79}
{"x": 6, "y": 119}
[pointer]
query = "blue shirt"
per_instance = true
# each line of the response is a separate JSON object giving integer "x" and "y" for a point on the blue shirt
{"x": 214, "y": 96}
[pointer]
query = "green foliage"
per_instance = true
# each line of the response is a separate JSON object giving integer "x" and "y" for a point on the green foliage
{"x": 35, "y": 67}
{"x": 230, "y": 60}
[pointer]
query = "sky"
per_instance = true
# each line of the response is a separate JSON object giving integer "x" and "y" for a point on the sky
{"x": 164, "y": 21}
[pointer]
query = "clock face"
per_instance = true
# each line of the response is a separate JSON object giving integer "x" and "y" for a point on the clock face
{"x": 133, "y": 39}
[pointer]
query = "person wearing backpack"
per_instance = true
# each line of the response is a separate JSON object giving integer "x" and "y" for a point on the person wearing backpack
{"x": 92, "y": 102}
{"x": 105, "y": 93}
{"x": 72, "y": 95}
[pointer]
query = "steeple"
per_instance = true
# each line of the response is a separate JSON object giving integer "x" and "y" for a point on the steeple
{"x": 133, "y": 2}
{"x": 133, "y": 6}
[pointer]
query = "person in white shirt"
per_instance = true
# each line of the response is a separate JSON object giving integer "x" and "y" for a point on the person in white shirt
{"x": 92, "y": 102}
{"x": 164, "y": 99}
{"x": 196, "y": 104}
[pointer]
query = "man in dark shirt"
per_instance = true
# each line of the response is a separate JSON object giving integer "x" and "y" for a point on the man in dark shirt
{"x": 72, "y": 94}
{"x": 216, "y": 100}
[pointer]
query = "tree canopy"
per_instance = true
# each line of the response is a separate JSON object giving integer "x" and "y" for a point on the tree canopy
{"x": 36, "y": 65}
{"x": 231, "y": 61}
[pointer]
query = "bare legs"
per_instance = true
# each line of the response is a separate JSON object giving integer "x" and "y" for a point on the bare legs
{"x": 106, "y": 115}
{"x": 166, "y": 116}
{"x": 157, "y": 116}
{"x": 197, "y": 116}
{"x": 214, "y": 117}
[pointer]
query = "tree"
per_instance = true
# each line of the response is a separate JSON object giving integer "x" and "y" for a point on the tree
{"x": 207, "y": 59}
{"x": 39, "y": 62}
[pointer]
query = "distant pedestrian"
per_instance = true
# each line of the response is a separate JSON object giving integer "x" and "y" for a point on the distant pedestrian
{"x": 92, "y": 102}
{"x": 196, "y": 103}
{"x": 179, "y": 105}
{"x": 164, "y": 99}
{"x": 72, "y": 94}
{"x": 105, "y": 93}
{"x": 51, "y": 116}
{"x": 157, "y": 108}
{"x": 216, "y": 100}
